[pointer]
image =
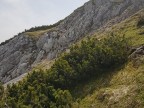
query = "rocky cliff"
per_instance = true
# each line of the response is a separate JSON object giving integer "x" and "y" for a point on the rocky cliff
{"x": 19, "y": 54}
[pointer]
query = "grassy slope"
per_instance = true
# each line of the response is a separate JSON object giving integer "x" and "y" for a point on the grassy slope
{"x": 39, "y": 31}
{"x": 123, "y": 88}
{"x": 36, "y": 34}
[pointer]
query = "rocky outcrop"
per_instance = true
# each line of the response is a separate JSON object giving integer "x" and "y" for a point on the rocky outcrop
{"x": 22, "y": 52}
{"x": 137, "y": 52}
{"x": 137, "y": 56}
{"x": 16, "y": 57}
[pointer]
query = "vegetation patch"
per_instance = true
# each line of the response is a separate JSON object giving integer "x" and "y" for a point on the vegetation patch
{"x": 43, "y": 27}
{"x": 36, "y": 34}
{"x": 140, "y": 22}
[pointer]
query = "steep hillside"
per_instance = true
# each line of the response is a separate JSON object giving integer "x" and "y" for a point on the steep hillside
{"x": 105, "y": 71}
{"x": 54, "y": 88}
{"x": 21, "y": 53}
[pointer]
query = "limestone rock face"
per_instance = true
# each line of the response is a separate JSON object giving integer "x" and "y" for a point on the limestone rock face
{"x": 16, "y": 56}
{"x": 19, "y": 54}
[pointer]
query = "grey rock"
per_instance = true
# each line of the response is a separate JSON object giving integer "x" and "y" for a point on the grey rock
{"x": 19, "y": 54}
{"x": 137, "y": 52}
{"x": 14, "y": 55}
{"x": 40, "y": 56}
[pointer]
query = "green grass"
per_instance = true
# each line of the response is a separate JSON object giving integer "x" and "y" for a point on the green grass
{"x": 122, "y": 88}
{"x": 36, "y": 34}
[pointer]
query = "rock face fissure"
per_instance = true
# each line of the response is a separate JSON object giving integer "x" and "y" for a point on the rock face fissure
{"x": 18, "y": 55}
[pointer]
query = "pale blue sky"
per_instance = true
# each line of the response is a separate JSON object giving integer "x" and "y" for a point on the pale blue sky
{"x": 17, "y": 15}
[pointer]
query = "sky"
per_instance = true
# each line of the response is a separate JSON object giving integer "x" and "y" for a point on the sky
{"x": 18, "y": 15}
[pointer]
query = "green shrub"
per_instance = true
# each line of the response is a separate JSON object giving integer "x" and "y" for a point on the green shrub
{"x": 140, "y": 22}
